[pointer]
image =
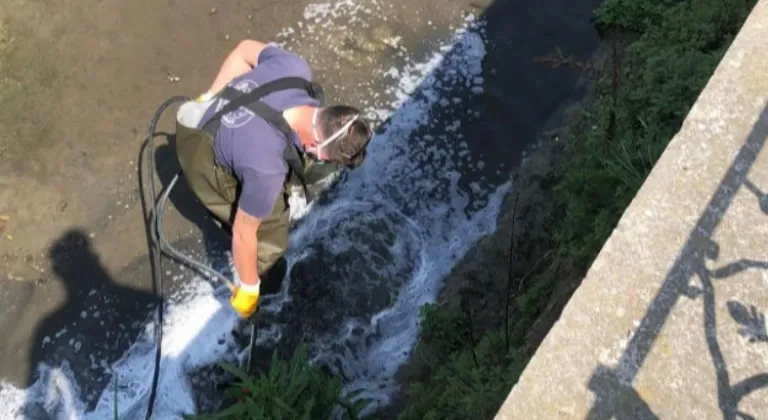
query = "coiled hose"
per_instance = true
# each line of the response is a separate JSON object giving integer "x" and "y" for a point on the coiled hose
{"x": 158, "y": 243}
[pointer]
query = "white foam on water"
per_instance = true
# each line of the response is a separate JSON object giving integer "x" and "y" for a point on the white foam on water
{"x": 411, "y": 181}
{"x": 196, "y": 334}
{"x": 410, "y": 184}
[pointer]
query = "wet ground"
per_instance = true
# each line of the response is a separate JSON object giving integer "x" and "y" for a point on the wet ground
{"x": 79, "y": 82}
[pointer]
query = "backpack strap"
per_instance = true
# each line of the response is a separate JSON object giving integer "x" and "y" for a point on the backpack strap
{"x": 252, "y": 101}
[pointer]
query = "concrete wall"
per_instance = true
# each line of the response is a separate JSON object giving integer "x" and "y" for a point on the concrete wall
{"x": 670, "y": 319}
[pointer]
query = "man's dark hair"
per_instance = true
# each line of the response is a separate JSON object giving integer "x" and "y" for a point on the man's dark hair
{"x": 349, "y": 150}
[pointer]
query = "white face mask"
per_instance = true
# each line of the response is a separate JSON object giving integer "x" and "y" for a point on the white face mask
{"x": 333, "y": 137}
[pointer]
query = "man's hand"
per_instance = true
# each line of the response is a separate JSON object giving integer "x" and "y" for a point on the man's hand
{"x": 244, "y": 253}
{"x": 245, "y": 299}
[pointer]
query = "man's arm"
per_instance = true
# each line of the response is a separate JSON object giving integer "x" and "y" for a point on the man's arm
{"x": 240, "y": 61}
{"x": 244, "y": 247}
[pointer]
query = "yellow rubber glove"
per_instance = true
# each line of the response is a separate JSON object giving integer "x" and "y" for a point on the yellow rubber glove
{"x": 245, "y": 299}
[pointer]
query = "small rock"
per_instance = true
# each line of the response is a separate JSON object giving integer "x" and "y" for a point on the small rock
{"x": 213, "y": 10}
{"x": 226, "y": 37}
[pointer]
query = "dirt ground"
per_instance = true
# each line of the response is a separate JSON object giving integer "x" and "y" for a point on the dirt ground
{"x": 79, "y": 83}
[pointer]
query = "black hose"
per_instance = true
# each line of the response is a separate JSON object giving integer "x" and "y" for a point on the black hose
{"x": 173, "y": 252}
{"x": 158, "y": 243}
{"x": 155, "y": 250}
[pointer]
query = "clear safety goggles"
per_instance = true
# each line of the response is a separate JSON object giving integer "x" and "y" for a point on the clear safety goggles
{"x": 333, "y": 137}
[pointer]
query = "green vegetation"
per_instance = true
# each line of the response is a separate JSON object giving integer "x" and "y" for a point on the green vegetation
{"x": 291, "y": 389}
{"x": 642, "y": 98}
{"x": 467, "y": 380}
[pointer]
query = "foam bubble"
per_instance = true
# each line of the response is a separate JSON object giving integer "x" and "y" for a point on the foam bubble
{"x": 394, "y": 228}
{"x": 410, "y": 181}
{"x": 196, "y": 335}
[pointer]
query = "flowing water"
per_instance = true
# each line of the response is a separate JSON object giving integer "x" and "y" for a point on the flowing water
{"x": 363, "y": 259}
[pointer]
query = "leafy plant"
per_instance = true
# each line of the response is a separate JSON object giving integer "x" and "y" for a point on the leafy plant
{"x": 637, "y": 111}
{"x": 638, "y": 108}
{"x": 629, "y": 15}
{"x": 470, "y": 382}
{"x": 291, "y": 389}
{"x": 661, "y": 75}
{"x": 450, "y": 329}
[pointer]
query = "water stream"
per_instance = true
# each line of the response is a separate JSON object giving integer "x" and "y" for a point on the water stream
{"x": 362, "y": 262}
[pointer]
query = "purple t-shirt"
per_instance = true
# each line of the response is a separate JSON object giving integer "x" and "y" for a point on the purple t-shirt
{"x": 251, "y": 147}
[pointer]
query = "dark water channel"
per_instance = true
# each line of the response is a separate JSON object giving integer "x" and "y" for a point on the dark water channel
{"x": 374, "y": 248}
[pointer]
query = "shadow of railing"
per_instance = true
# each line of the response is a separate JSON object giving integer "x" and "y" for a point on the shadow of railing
{"x": 615, "y": 395}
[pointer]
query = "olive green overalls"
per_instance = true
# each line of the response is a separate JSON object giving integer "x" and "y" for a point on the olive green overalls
{"x": 218, "y": 189}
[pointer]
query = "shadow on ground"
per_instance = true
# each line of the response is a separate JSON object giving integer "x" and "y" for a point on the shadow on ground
{"x": 518, "y": 98}
{"x": 181, "y": 197}
{"x": 89, "y": 331}
{"x": 615, "y": 399}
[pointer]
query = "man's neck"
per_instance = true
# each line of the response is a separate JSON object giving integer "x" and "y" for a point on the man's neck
{"x": 300, "y": 120}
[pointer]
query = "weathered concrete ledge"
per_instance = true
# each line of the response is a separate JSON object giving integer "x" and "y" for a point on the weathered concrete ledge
{"x": 669, "y": 321}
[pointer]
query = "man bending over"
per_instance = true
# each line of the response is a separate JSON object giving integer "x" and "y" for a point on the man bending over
{"x": 238, "y": 162}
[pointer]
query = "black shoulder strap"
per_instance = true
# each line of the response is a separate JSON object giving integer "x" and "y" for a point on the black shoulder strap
{"x": 238, "y": 99}
{"x": 252, "y": 101}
